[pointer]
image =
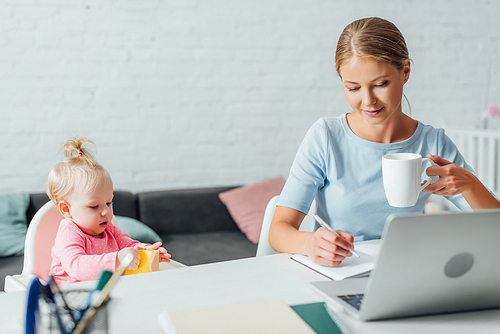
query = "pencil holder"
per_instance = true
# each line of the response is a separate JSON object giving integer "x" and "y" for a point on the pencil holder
{"x": 52, "y": 318}
{"x": 150, "y": 260}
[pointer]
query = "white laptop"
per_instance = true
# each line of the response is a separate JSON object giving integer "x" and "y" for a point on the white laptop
{"x": 427, "y": 264}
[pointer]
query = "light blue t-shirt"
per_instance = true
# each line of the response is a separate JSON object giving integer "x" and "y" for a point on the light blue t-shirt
{"x": 344, "y": 173}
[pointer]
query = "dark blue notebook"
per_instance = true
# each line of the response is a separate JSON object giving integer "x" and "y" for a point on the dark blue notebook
{"x": 317, "y": 316}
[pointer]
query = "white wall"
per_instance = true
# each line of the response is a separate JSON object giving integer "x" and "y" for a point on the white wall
{"x": 190, "y": 93}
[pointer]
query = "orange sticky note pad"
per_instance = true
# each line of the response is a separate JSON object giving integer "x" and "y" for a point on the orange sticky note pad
{"x": 150, "y": 260}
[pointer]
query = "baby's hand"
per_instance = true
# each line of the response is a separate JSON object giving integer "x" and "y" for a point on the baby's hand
{"x": 164, "y": 256}
{"x": 154, "y": 246}
{"x": 120, "y": 256}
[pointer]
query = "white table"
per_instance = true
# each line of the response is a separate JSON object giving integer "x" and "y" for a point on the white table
{"x": 137, "y": 298}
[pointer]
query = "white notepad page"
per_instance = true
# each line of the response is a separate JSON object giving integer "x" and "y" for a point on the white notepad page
{"x": 351, "y": 266}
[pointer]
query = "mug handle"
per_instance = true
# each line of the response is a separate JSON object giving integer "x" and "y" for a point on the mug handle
{"x": 430, "y": 179}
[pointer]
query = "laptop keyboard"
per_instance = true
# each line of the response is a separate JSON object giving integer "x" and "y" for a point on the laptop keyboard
{"x": 353, "y": 300}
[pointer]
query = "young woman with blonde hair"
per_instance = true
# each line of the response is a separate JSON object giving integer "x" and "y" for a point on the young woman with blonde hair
{"x": 340, "y": 159}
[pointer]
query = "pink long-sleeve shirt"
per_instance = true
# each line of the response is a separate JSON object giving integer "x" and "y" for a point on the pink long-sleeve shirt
{"x": 77, "y": 256}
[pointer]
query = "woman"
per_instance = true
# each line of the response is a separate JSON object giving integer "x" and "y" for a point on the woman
{"x": 340, "y": 160}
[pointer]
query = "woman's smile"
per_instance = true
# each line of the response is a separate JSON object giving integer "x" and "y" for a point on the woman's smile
{"x": 373, "y": 112}
{"x": 374, "y": 90}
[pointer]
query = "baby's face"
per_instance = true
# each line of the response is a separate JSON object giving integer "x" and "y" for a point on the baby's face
{"x": 92, "y": 210}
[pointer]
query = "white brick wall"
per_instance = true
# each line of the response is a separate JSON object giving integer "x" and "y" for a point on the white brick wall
{"x": 191, "y": 93}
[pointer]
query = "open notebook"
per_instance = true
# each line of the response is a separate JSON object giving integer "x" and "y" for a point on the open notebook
{"x": 350, "y": 267}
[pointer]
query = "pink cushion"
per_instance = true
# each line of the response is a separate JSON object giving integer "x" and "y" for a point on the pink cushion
{"x": 247, "y": 204}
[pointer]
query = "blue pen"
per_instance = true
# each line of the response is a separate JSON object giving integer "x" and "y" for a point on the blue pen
{"x": 38, "y": 290}
{"x": 32, "y": 305}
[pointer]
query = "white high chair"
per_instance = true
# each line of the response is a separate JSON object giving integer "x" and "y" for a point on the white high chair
{"x": 263, "y": 247}
{"x": 40, "y": 238}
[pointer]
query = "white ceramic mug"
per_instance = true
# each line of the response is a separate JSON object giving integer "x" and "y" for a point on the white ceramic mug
{"x": 402, "y": 174}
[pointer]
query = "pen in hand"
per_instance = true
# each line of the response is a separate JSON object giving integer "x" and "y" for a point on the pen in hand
{"x": 325, "y": 225}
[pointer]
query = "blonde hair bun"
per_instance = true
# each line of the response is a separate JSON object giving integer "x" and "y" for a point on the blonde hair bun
{"x": 79, "y": 169}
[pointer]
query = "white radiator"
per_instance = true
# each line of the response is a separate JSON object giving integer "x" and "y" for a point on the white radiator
{"x": 480, "y": 149}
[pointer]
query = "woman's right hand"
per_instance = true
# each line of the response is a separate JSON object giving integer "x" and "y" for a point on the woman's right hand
{"x": 328, "y": 249}
{"x": 120, "y": 256}
{"x": 323, "y": 246}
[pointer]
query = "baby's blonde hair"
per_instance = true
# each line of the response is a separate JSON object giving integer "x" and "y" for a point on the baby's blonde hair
{"x": 79, "y": 169}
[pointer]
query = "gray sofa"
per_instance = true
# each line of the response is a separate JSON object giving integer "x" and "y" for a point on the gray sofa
{"x": 194, "y": 224}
